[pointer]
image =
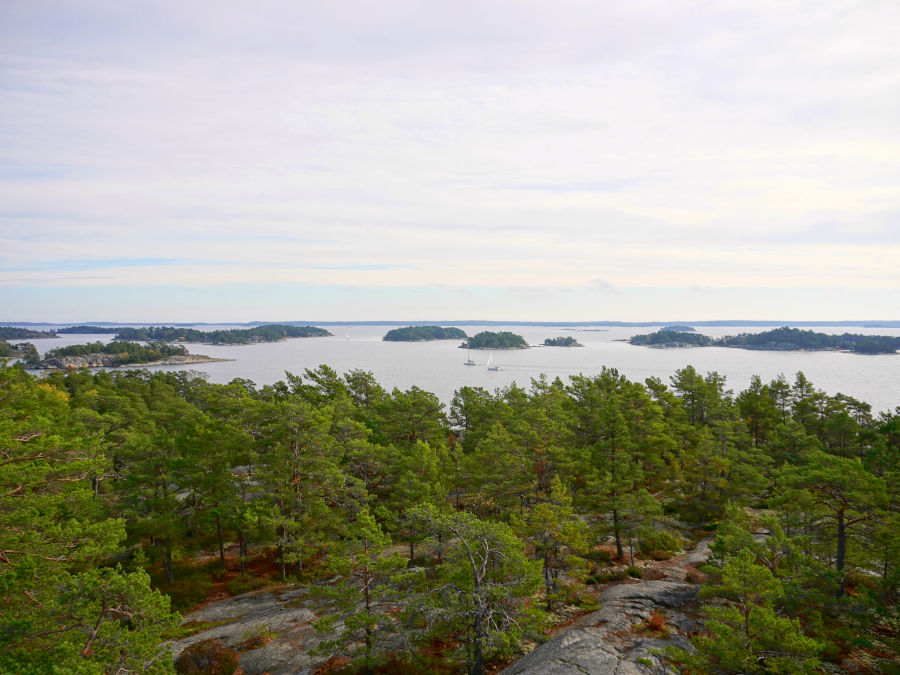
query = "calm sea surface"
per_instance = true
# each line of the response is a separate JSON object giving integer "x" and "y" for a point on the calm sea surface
{"x": 438, "y": 366}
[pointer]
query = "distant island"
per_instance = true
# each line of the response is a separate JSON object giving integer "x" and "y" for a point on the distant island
{"x": 13, "y": 333}
{"x": 234, "y": 336}
{"x": 562, "y": 342}
{"x": 423, "y": 334}
{"x": 490, "y": 340}
{"x": 779, "y": 339}
{"x": 116, "y": 354}
{"x": 89, "y": 330}
{"x": 679, "y": 328}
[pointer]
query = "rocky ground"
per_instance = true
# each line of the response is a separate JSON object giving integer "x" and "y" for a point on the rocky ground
{"x": 621, "y": 637}
{"x": 272, "y": 628}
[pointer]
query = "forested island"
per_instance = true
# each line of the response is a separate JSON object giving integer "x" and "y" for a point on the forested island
{"x": 495, "y": 340}
{"x": 679, "y": 328}
{"x": 518, "y": 510}
{"x": 671, "y": 339}
{"x": 22, "y": 350}
{"x": 117, "y": 354}
{"x": 13, "y": 333}
{"x": 89, "y": 330}
{"x": 567, "y": 341}
{"x": 779, "y": 339}
{"x": 424, "y": 334}
{"x": 230, "y": 336}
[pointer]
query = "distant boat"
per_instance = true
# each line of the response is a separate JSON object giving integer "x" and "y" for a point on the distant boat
{"x": 469, "y": 362}
{"x": 490, "y": 363}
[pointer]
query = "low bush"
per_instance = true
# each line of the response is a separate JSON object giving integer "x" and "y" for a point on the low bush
{"x": 207, "y": 657}
{"x": 635, "y": 572}
{"x": 660, "y": 540}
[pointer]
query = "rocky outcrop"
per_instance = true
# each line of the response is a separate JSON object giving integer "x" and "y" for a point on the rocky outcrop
{"x": 101, "y": 360}
{"x": 285, "y": 615}
{"x": 611, "y": 641}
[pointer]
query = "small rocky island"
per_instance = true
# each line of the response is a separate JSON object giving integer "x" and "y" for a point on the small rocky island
{"x": 495, "y": 340}
{"x": 118, "y": 354}
{"x": 568, "y": 341}
{"x": 670, "y": 339}
{"x": 423, "y": 334}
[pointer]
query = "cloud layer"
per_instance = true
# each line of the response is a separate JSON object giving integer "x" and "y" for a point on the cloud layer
{"x": 490, "y": 145}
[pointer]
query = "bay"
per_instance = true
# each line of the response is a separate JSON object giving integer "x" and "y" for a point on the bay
{"x": 438, "y": 366}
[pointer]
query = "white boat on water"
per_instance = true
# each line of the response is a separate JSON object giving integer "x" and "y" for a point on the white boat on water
{"x": 469, "y": 362}
{"x": 490, "y": 363}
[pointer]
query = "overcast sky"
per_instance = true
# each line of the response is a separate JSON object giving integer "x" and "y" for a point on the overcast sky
{"x": 214, "y": 161}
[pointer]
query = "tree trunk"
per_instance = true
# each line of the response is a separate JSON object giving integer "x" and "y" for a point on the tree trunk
{"x": 243, "y": 551}
{"x": 841, "y": 551}
{"x": 170, "y": 571}
{"x": 619, "y": 552}
{"x": 221, "y": 541}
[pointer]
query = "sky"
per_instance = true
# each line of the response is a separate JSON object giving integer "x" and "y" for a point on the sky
{"x": 498, "y": 160}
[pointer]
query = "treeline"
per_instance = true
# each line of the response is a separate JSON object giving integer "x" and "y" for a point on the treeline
{"x": 127, "y": 352}
{"x": 232, "y": 336}
{"x": 88, "y": 330}
{"x": 495, "y": 340}
{"x": 423, "y": 334}
{"x": 510, "y": 503}
{"x": 22, "y": 350}
{"x": 668, "y": 337}
{"x": 12, "y": 333}
{"x": 567, "y": 341}
{"x": 779, "y": 339}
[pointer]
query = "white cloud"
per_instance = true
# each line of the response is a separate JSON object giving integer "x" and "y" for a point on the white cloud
{"x": 495, "y": 144}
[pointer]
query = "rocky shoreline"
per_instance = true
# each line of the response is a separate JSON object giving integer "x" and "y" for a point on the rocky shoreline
{"x": 114, "y": 361}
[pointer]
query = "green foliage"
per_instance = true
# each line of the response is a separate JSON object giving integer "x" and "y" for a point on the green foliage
{"x": 233, "y": 336}
{"x": 316, "y": 472}
{"x": 495, "y": 340}
{"x": 788, "y": 339}
{"x": 567, "y": 341}
{"x": 87, "y": 330}
{"x": 669, "y": 337}
{"x": 747, "y": 635}
{"x": 483, "y": 585}
{"x": 12, "y": 333}
{"x": 125, "y": 352}
{"x": 423, "y": 334}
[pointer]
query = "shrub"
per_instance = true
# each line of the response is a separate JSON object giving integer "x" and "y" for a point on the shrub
{"x": 660, "y": 540}
{"x": 207, "y": 657}
{"x": 659, "y": 554}
{"x": 635, "y": 572}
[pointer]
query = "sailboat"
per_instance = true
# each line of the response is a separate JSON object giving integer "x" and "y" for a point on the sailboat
{"x": 469, "y": 362}
{"x": 490, "y": 363}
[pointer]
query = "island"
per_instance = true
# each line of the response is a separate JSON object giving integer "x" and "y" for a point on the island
{"x": 562, "y": 342}
{"x": 499, "y": 340}
{"x": 232, "y": 336}
{"x": 780, "y": 339}
{"x": 13, "y": 333}
{"x": 670, "y": 339}
{"x": 88, "y": 330}
{"x": 423, "y": 334}
{"x": 117, "y": 354}
{"x": 24, "y": 350}
{"x": 679, "y": 328}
